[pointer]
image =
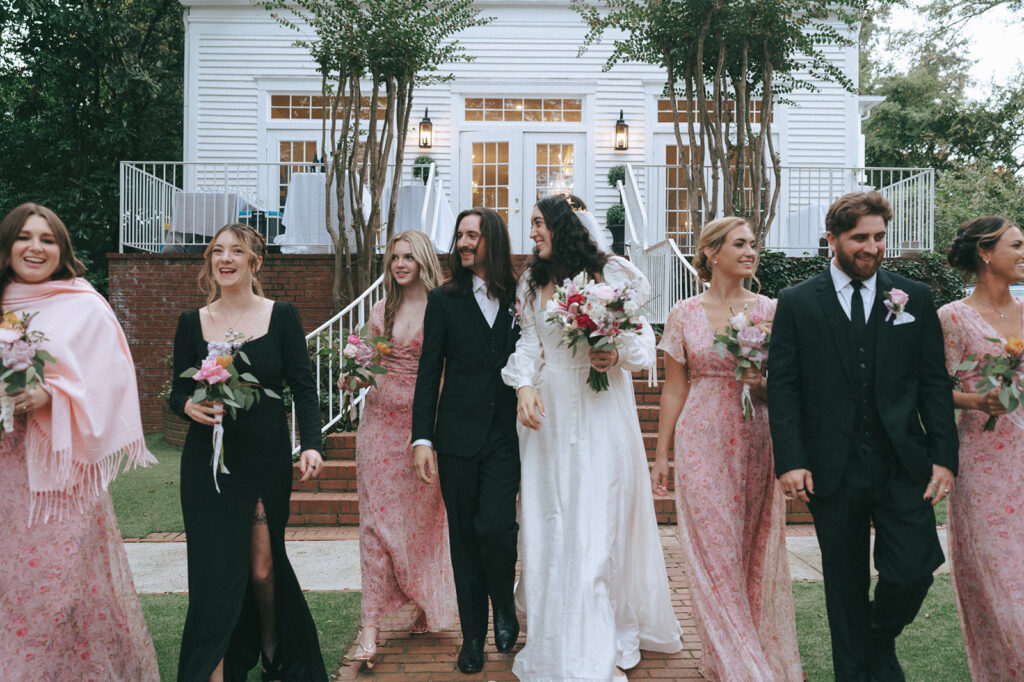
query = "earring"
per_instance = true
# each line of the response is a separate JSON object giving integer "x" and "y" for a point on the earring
{"x": 714, "y": 262}
{"x": 986, "y": 260}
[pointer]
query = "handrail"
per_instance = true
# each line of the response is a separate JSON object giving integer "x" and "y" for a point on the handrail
{"x": 326, "y": 358}
{"x": 426, "y": 199}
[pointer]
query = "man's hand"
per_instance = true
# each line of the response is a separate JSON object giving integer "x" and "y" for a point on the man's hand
{"x": 941, "y": 484}
{"x": 423, "y": 461}
{"x": 797, "y": 483}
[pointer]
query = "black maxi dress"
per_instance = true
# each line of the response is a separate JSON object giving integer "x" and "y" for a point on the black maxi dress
{"x": 223, "y": 620}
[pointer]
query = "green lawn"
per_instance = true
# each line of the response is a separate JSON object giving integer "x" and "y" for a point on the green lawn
{"x": 146, "y": 500}
{"x": 931, "y": 648}
{"x": 336, "y": 615}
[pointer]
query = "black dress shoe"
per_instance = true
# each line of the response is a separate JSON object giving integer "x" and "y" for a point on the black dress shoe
{"x": 506, "y": 630}
{"x": 471, "y": 657}
{"x": 885, "y": 666}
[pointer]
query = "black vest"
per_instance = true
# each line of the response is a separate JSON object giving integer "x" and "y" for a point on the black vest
{"x": 868, "y": 431}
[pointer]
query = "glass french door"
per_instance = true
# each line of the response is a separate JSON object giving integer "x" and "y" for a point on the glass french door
{"x": 510, "y": 172}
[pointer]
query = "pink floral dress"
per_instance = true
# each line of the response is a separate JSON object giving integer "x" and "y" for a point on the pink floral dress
{"x": 730, "y": 511}
{"x": 986, "y": 515}
{"x": 68, "y": 608}
{"x": 403, "y": 531}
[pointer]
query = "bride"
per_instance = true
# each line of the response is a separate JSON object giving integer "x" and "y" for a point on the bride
{"x": 593, "y": 575}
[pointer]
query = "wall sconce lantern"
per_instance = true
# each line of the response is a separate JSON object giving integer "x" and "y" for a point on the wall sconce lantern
{"x": 621, "y": 133}
{"x": 426, "y": 131}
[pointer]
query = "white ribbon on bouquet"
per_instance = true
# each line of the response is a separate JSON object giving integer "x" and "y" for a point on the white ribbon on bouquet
{"x": 218, "y": 450}
{"x": 6, "y": 409}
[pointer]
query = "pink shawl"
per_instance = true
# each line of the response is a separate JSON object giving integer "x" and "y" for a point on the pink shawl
{"x": 75, "y": 445}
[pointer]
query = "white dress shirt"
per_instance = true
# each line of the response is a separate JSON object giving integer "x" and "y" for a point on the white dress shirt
{"x": 489, "y": 307}
{"x": 844, "y": 290}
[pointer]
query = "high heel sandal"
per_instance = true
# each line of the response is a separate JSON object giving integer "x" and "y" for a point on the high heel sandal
{"x": 364, "y": 655}
{"x": 419, "y": 626}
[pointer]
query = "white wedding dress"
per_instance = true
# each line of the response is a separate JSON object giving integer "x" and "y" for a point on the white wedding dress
{"x": 593, "y": 588}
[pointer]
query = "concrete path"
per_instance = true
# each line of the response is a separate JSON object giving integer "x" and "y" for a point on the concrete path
{"x": 333, "y": 564}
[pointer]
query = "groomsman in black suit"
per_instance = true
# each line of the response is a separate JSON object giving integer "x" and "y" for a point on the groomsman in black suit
{"x": 469, "y": 330}
{"x": 862, "y": 429}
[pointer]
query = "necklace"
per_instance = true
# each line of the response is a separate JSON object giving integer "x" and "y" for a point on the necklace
{"x": 1002, "y": 315}
{"x": 231, "y": 328}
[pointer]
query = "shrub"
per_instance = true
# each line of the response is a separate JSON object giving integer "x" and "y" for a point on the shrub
{"x": 616, "y": 174}
{"x": 616, "y": 215}
{"x": 421, "y": 167}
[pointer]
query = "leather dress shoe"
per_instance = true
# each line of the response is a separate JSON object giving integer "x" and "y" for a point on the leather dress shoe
{"x": 506, "y": 630}
{"x": 471, "y": 657}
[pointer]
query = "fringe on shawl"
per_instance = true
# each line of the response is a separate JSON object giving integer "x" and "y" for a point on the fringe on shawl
{"x": 82, "y": 484}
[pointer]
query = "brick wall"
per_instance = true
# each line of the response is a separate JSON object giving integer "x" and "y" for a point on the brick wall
{"x": 149, "y": 291}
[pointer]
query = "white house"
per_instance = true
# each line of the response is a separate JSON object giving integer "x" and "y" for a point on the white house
{"x": 527, "y": 117}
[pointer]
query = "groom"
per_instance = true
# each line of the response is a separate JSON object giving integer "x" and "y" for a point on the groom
{"x": 469, "y": 330}
{"x": 862, "y": 428}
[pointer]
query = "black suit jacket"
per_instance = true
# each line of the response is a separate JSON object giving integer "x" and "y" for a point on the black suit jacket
{"x": 810, "y": 383}
{"x": 458, "y": 342}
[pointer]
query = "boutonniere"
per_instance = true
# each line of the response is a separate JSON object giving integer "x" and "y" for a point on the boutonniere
{"x": 516, "y": 313}
{"x": 896, "y": 303}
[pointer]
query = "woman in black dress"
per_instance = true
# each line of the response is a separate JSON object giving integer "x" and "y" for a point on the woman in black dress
{"x": 244, "y": 598}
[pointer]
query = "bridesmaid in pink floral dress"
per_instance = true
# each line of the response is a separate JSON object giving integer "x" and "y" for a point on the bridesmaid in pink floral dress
{"x": 986, "y": 511}
{"x": 68, "y": 608}
{"x": 731, "y": 515}
{"x": 403, "y": 534}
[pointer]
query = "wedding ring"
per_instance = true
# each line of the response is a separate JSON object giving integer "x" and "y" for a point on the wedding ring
{"x": 933, "y": 483}
{"x": 946, "y": 491}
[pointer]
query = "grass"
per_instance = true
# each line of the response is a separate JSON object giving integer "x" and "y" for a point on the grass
{"x": 336, "y": 615}
{"x": 146, "y": 500}
{"x": 931, "y": 648}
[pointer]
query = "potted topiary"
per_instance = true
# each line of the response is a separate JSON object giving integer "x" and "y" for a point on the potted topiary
{"x": 615, "y": 219}
{"x": 421, "y": 167}
{"x": 174, "y": 428}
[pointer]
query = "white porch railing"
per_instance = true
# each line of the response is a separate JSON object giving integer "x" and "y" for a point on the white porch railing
{"x": 325, "y": 344}
{"x": 804, "y": 197}
{"x": 173, "y": 206}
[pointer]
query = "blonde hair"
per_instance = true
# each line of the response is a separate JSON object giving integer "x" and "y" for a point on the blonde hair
{"x": 712, "y": 237}
{"x": 255, "y": 246}
{"x": 430, "y": 272}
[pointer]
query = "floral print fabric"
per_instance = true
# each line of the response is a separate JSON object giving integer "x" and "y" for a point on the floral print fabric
{"x": 403, "y": 533}
{"x": 986, "y": 518}
{"x": 730, "y": 511}
{"x": 68, "y": 608}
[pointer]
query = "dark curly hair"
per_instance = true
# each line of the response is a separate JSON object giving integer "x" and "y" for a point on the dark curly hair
{"x": 973, "y": 236}
{"x": 573, "y": 250}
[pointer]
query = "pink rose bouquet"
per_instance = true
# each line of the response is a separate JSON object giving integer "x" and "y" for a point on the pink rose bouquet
{"x": 22, "y": 359}
{"x": 361, "y": 358}
{"x": 219, "y": 381}
{"x": 747, "y": 340}
{"x": 594, "y": 314}
{"x": 1004, "y": 371}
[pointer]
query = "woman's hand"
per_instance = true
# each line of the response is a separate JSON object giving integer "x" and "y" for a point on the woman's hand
{"x": 310, "y": 464}
{"x": 206, "y": 412}
{"x": 530, "y": 409}
{"x": 659, "y": 477}
{"x": 352, "y": 383}
{"x": 27, "y": 401}
{"x": 751, "y": 376}
{"x": 603, "y": 360}
{"x": 989, "y": 403}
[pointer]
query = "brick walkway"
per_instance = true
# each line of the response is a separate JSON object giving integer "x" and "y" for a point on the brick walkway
{"x": 431, "y": 657}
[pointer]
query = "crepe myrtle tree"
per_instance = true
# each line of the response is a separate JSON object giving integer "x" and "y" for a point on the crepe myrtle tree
{"x": 721, "y": 57}
{"x": 371, "y": 56}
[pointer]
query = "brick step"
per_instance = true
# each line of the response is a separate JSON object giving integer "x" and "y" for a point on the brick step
{"x": 337, "y": 475}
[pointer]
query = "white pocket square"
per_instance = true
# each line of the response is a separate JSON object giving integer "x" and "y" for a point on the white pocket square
{"x": 902, "y": 318}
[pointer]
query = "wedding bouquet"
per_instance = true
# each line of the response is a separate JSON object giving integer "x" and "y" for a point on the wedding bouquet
{"x": 23, "y": 361}
{"x": 1003, "y": 372}
{"x": 361, "y": 357}
{"x": 747, "y": 340}
{"x": 219, "y": 381}
{"x": 595, "y": 314}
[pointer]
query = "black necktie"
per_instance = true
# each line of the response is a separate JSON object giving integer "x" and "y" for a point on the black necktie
{"x": 857, "y": 306}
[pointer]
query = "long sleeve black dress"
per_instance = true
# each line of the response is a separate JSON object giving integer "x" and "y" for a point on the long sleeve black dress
{"x": 223, "y": 620}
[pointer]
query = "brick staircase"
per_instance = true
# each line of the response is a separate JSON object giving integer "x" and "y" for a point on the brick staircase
{"x": 331, "y": 499}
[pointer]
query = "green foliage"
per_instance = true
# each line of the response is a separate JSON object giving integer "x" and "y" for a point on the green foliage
{"x": 776, "y": 271}
{"x": 421, "y": 167}
{"x": 84, "y": 85}
{"x": 971, "y": 190}
{"x": 616, "y": 215}
{"x": 616, "y": 174}
{"x": 328, "y": 348}
{"x": 148, "y": 500}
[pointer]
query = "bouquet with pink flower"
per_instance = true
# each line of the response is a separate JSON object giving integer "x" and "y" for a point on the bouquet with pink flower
{"x": 219, "y": 381}
{"x": 594, "y": 314}
{"x": 22, "y": 359}
{"x": 747, "y": 340}
{"x": 361, "y": 358}
{"x": 1004, "y": 371}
